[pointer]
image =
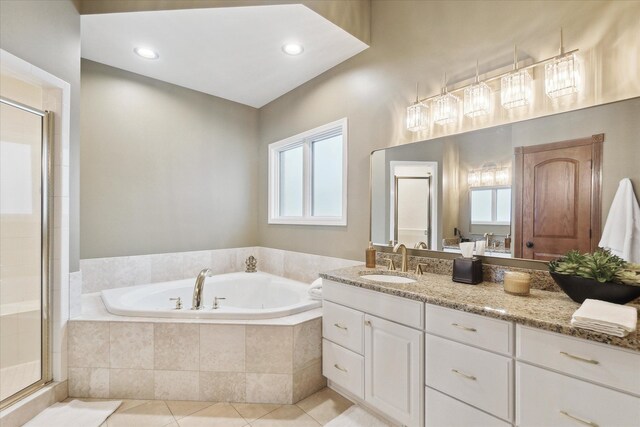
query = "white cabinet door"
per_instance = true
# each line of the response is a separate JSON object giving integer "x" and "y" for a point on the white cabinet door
{"x": 393, "y": 358}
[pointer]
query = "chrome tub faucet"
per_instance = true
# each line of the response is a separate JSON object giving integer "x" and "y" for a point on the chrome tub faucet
{"x": 196, "y": 303}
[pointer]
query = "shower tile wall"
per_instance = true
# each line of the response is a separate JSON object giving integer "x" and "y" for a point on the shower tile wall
{"x": 184, "y": 361}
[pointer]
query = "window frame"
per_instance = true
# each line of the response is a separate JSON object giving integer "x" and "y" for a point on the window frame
{"x": 494, "y": 205}
{"x": 305, "y": 139}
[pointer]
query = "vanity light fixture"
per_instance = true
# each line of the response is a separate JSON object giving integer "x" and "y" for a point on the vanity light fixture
{"x": 417, "y": 118}
{"x": 146, "y": 53}
{"x": 561, "y": 78}
{"x": 445, "y": 106}
{"x": 561, "y": 75}
{"x": 473, "y": 178}
{"x": 503, "y": 176}
{"x": 292, "y": 49}
{"x": 477, "y": 98}
{"x": 515, "y": 87}
{"x": 489, "y": 175}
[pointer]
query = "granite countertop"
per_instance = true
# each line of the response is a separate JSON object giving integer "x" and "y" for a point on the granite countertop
{"x": 546, "y": 310}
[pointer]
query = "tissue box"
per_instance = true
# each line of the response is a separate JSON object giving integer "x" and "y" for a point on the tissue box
{"x": 467, "y": 270}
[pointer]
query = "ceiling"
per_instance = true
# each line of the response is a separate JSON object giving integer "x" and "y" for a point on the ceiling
{"x": 233, "y": 53}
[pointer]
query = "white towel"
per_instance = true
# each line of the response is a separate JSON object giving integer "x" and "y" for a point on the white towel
{"x": 74, "y": 413}
{"x": 621, "y": 232}
{"x": 605, "y": 317}
{"x": 315, "y": 290}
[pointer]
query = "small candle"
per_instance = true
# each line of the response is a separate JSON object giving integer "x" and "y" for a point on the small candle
{"x": 516, "y": 283}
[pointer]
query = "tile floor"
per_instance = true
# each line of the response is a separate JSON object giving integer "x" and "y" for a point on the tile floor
{"x": 314, "y": 411}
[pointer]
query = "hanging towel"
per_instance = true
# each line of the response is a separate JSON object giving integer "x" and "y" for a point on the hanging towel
{"x": 605, "y": 317}
{"x": 315, "y": 290}
{"x": 621, "y": 232}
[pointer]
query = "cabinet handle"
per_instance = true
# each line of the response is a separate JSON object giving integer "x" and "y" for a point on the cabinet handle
{"x": 340, "y": 368}
{"x": 582, "y": 359}
{"x": 339, "y": 326}
{"x": 466, "y": 328}
{"x": 462, "y": 374}
{"x": 580, "y": 420}
{"x": 367, "y": 323}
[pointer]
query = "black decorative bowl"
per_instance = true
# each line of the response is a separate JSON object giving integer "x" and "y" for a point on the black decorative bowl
{"x": 579, "y": 289}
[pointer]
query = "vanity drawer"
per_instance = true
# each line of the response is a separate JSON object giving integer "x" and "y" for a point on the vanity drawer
{"x": 400, "y": 310}
{"x": 445, "y": 411}
{"x": 343, "y": 367}
{"x": 596, "y": 362}
{"x": 475, "y": 376}
{"x": 343, "y": 326}
{"x": 546, "y": 398}
{"x": 484, "y": 332}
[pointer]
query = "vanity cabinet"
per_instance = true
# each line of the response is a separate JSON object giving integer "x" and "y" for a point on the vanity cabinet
{"x": 373, "y": 350}
{"x": 468, "y": 368}
{"x": 566, "y": 381}
{"x": 422, "y": 364}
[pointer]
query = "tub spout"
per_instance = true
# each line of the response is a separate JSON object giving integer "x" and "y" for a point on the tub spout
{"x": 196, "y": 303}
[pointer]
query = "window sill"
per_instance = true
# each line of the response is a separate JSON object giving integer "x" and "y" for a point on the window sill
{"x": 334, "y": 222}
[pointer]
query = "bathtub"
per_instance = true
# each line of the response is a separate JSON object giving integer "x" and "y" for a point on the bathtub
{"x": 248, "y": 296}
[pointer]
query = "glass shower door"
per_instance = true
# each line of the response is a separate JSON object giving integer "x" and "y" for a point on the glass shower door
{"x": 24, "y": 241}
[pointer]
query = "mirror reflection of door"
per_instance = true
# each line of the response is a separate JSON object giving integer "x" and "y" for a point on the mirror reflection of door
{"x": 558, "y": 195}
{"x": 412, "y": 210}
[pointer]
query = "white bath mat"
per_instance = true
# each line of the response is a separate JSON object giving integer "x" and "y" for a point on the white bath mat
{"x": 74, "y": 413}
{"x": 355, "y": 416}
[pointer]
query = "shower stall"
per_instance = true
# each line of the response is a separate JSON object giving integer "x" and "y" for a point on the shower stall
{"x": 25, "y": 240}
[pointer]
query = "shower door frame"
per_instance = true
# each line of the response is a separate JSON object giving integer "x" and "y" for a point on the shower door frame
{"x": 46, "y": 200}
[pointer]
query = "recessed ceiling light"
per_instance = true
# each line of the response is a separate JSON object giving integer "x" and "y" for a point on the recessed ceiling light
{"x": 146, "y": 53}
{"x": 292, "y": 49}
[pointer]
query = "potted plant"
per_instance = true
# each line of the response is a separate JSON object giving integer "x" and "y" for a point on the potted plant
{"x": 599, "y": 275}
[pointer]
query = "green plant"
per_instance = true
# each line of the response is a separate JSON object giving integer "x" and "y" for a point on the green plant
{"x": 602, "y": 266}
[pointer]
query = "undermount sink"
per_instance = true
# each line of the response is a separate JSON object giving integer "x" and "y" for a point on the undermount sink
{"x": 387, "y": 278}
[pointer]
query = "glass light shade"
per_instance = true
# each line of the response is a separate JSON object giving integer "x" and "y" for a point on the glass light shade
{"x": 561, "y": 76}
{"x": 503, "y": 176}
{"x": 445, "y": 109}
{"x": 477, "y": 100}
{"x": 515, "y": 89}
{"x": 488, "y": 177}
{"x": 417, "y": 118}
{"x": 473, "y": 179}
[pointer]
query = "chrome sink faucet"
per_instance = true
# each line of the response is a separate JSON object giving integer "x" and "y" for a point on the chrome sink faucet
{"x": 421, "y": 245}
{"x": 403, "y": 251}
{"x": 196, "y": 303}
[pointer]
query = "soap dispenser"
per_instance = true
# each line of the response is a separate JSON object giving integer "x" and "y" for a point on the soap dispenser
{"x": 370, "y": 256}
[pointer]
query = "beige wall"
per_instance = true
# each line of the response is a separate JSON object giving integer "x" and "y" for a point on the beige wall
{"x": 47, "y": 35}
{"x": 418, "y": 41}
{"x": 164, "y": 169}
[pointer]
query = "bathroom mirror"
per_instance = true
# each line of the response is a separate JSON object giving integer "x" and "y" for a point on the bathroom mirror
{"x": 532, "y": 189}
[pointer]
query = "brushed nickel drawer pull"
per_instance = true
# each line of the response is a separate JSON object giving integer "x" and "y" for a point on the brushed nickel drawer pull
{"x": 462, "y": 374}
{"x": 340, "y": 368}
{"x": 582, "y": 359}
{"x": 339, "y": 326}
{"x": 466, "y": 328}
{"x": 580, "y": 420}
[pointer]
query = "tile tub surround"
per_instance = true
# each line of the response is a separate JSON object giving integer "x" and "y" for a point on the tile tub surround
{"x": 540, "y": 279}
{"x": 117, "y": 272}
{"x": 546, "y": 310}
{"x": 279, "y": 364}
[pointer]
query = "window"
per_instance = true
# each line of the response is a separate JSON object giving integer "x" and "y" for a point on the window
{"x": 308, "y": 177}
{"x": 491, "y": 206}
